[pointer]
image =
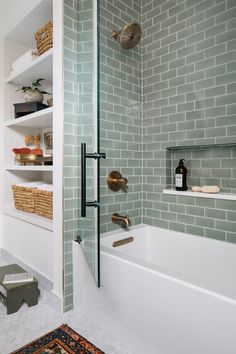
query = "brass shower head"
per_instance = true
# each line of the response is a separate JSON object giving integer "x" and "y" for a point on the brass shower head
{"x": 129, "y": 36}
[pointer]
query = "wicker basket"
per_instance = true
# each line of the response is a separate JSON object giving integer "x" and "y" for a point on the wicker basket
{"x": 24, "y": 198}
{"x": 44, "y": 38}
{"x": 43, "y": 203}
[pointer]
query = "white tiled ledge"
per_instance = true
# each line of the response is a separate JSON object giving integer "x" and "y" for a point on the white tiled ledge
{"x": 224, "y": 196}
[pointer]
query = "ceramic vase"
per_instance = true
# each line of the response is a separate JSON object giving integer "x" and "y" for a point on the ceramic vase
{"x": 33, "y": 96}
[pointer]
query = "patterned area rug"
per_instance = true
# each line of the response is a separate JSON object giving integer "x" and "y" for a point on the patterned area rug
{"x": 62, "y": 340}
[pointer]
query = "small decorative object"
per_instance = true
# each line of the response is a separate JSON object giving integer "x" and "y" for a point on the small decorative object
{"x": 50, "y": 102}
{"x": 27, "y": 159}
{"x": 29, "y": 140}
{"x": 33, "y": 140}
{"x": 48, "y": 160}
{"x": 44, "y": 37}
{"x": 12, "y": 295}
{"x": 22, "y": 109}
{"x": 33, "y": 93}
{"x": 181, "y": 176}
{"x": 48, "y": 142}
{"x": 206, "y": 189}
{"x": 28, "y": 156}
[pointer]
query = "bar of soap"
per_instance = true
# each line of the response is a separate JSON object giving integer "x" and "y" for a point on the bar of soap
{"x": 196, "y": 189}
{"x": 210, "y": 189}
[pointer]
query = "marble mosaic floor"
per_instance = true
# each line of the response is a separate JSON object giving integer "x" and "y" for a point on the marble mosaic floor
{"x": 30, "y": 323}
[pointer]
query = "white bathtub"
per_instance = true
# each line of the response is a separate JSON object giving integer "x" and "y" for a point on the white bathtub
{"x": 164, "y": 293}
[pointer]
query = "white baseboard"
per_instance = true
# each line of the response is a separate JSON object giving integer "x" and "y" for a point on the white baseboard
{"x": 45, "y": 283}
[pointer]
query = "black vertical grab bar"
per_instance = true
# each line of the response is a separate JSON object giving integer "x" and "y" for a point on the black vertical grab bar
{"x": 84, "y": 156}
{"x": 83, "y": 180}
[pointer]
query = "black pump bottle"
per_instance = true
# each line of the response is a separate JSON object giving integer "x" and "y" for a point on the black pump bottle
{"x": 181, "y": 177}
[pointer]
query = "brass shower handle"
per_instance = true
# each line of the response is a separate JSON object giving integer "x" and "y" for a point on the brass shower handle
{"x": 116, "y": 182}
{"x": 120, "y": 180}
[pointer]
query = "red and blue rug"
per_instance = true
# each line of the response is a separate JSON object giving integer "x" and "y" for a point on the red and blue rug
{"x": 62, "y": 340}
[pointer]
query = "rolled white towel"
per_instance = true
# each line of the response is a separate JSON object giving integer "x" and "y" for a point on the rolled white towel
{"x": 24, "y": 59}
{"x": 30, "y": 184}
{"x": 206, "y": 189}
{"x": 46, "y": 187}
{"x": 210, "y": 189}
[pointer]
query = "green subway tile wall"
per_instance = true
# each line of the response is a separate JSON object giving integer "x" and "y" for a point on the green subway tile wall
{"x": 78, "y": 125}
{"x": 120, "y": 112}
{"x": 188, "y": 83}
{"x": 177, "y": 88}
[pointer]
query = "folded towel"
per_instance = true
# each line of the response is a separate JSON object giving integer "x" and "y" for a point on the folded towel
{"x": 24, "y": 59}
{"x": 46, "y": 187}
{"x": 30, "y": 184}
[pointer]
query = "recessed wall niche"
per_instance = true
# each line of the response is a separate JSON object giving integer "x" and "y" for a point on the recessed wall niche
{"x": 206, "y": 164}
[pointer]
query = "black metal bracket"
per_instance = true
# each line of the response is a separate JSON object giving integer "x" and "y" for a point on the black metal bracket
{"x": 84, "y": 156}
{"x": 78, "y": 239}
{"x": 96, "y": 155}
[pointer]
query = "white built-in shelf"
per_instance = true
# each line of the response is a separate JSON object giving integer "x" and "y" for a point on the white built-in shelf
{"x": 32, "y": 20}
{"x": 30, "y": 218}
{"x": 224, "y": 196}
{"x": 40, "y": 119}
{"x": 29, "y": 168}
{"x": 38, "y": 67}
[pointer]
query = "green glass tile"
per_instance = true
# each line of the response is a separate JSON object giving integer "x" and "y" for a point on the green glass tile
{"x": 204, "y": 202}
{"x": 177, "y": 226}
{"x": 195, "y": 230}
{"x": 231, "y": 237}
{"x": 193, "y": 210}
{"x": 186, "y": 219}
{"x": 214, "y": 30}
{"x": 215, "y": 234}
{"x": 215, "y": 10}
{"x": 205, "y": 222}
{"x": 203, "y": 5}
{"x": 226, "y": 226}
{"x": 226, "y": 15}
{"x": 203, "y": 25}
{"x": 216, "y": 71}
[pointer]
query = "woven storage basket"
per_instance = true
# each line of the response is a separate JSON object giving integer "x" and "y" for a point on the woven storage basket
{"x": 24, "y": 198}
{"x": 43, "y": 203}
{"x": 44, "y": 38}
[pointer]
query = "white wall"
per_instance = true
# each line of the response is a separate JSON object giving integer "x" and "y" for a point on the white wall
{"x": 2, "y": 26}
{"x": 11, "y": 12}
{"x": 1, "y": 138}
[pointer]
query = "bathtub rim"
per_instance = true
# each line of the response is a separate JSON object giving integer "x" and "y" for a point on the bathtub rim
{"x": 210, "y": 287}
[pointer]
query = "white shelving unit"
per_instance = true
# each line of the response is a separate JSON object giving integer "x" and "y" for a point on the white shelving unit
{"x": 20, "y": 40}
{"x": 30, "y": 218}
{"x": 38, "y": 66}
{"x": 34, "y": 240}
{"x": 26, "y": 168}
{"x": 40, "y": 119}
